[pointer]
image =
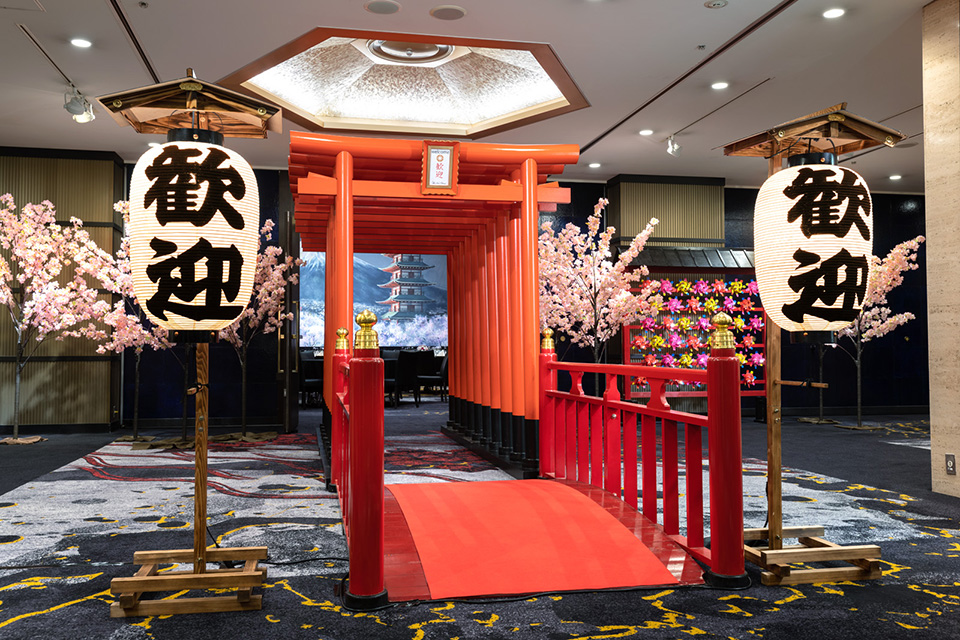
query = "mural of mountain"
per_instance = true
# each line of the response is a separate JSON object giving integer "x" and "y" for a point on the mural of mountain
{"x": 366, "y": 280}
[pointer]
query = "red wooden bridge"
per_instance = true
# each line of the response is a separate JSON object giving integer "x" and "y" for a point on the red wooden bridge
{"x": 606, "y": 513}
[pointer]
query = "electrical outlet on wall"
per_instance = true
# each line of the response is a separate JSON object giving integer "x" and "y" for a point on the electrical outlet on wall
{"x": 951, "y": 464}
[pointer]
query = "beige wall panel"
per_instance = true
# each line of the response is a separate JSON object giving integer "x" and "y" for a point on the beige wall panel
{"x": 81, "y": 188}
{"x": 62, "y": 392}
{"x": 684, "y": 211}
{"x": 54, "y": 393}
{"x": 941, "y": 139}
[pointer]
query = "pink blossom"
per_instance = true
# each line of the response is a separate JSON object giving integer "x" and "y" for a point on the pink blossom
{"x": 582, "y": 292}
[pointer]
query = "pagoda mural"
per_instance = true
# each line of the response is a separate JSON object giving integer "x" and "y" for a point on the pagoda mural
{"x": 407, "y": 300}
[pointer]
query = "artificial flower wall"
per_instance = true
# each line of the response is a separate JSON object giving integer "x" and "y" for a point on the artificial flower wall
{"x": 679, "y": 335}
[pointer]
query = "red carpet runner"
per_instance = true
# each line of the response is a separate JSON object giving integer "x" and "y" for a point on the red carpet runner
{"x": 526, "y": 536}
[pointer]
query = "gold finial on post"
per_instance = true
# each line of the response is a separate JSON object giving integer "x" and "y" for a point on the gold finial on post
{"x": 341, "y": 339}
{"x": 547, "y": 343}
{"x": 366, "y": 338}
{"x": 722, "y": 337}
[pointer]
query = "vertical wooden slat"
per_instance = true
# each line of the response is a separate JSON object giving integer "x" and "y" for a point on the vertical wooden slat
{"x": 671, "y": 484}
{"x": 584, "y": 426}
{"x": 630, "y": 458}
{"x": 693, "y": 456}
{"x": 611, "y": 481}
{"x": 596, "y": 447}
{"x": 648, "y": 453}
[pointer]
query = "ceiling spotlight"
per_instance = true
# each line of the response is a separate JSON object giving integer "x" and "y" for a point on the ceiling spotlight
{"x": 833, "y": 13}
{"x": 646, "y": 132}
{"x": 87, "y": 115}
{"x": 672, "y": 147}
{"x": 594, "y": 165}
{"x": 73, "y": 102}
{"x": 83, "y": 43}
{"x": 719, "y": 85}
{"x": 895, "y": 177}
{"x": 383, "y": 7}
{"x": 715, "y": 4}
{"x": 448, "y": 12}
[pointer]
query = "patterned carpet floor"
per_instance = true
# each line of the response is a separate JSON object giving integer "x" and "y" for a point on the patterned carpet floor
{"x": 66, "y": 534}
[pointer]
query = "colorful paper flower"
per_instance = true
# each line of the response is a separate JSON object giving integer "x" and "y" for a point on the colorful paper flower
{"x": 693, "y": 341}
{"x": 684, "y": 286}
{"x": 674, "y": 341}
{"x": 666, "y": 286}
{"x": 668, "y": 360}
{"x": 729, "y": 304}
{"x": 686, "y": 360}
{"x": 711, "y": 306}
{"x": 749, "y": 379}
{"x": 674, "y": 305}
{"x": 684, "y": 323}
{"x": 641, "y": 343}
{"x": 737, "y": 286}
{"x": 656, "y": 342}
{"x": 650, "y": 360}
{"x": 752, "y": 288}
{"x": 757, "y": 359}
{"x": 701, "y": 287}
{"x": 693, "y": 305}
{"x": 702, "y": 360}
{"x": 704, "y": 324}
{"x": 756, "y": 323}
{"x": 719, "y": 286}
{"x": 742, "y": 358}
{"x": 748, "y": 341}
{"x": 738, "y": 323}
{"x": 746, "y": 305}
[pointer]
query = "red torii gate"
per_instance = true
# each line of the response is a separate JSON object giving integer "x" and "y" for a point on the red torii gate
{"x": 368, "y": 195}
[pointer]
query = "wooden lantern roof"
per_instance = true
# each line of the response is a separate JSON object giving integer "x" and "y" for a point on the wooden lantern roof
{"x": 158, "y": 108}
{"x": 831, "y": 130}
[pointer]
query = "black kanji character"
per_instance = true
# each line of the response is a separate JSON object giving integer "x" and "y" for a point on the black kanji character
{"x": 823, "y": 284}
{"x": 821, "y": 200}
{"x": 185, "y": 286}
{"x": 177, "y": 180}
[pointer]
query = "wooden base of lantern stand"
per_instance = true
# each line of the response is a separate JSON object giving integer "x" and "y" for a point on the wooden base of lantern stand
{"x": 149, "y": 578}
{"x": 811, "y": 548}
{"x": 776, "y": 559}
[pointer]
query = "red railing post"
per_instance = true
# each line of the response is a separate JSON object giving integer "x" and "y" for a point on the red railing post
{"x": 726, "y": 469}
{"x": 611, "y": 421}
{"x": 338, "y": 436}
{"x": 365, "y": 468}
{"x": 548, "y": 382}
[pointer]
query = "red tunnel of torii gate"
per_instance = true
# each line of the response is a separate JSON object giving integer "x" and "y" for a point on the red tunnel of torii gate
{"x": 370, "y": 195}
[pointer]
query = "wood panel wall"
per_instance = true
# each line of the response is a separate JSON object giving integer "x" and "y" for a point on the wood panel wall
{"x": 66, "y": 382}
{"x": 686, "y": 210}
{"x": 941, "y": 140}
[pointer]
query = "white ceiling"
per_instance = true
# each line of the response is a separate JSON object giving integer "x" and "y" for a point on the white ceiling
{"x": 621, "y": 53}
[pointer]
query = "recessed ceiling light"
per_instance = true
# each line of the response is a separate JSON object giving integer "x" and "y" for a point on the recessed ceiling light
{"x": 833, "y": 13}
{"x": 594, "y": 165}
{"x": 895, "y": 177}
{"x": 646, "y": 132}
{"x": 715, "y": 4}
{"x": 448, "y": 12}
{"x": 383, "y": 7}
{"x": 81, "y": 42}
{"x": 719, "y": 85}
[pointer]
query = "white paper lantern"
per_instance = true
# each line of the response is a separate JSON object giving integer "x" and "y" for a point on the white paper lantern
{"x": 813, "y": 237}
{"x": 194, "y": 222}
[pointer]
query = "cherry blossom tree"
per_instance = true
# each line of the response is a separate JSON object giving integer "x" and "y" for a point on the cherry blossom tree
{"x": 124, "y": 326}
{"x": 265, "y": 312}
{"x": 876, "y": 319}
{"x": 45, "y": 282}
{"x": 586, "y": 295}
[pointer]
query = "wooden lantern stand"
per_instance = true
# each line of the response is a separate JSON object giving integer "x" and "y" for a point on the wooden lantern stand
{"x": 830, "y": 130}
{"x": 149, "y": 579}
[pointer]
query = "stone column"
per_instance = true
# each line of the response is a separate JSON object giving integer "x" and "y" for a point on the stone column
{"x": 941, "y": 139}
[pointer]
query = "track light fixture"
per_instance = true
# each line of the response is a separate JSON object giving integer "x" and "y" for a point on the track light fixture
{"x": 78, "y": 106}
{"x": 672, "y": 147}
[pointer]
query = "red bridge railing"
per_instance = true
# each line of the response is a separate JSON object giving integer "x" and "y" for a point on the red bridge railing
{"x": 595, "y": 440}
{"x": 357, "y": 459}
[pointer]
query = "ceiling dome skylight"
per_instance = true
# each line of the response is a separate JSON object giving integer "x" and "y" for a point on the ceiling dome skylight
{"x": 338, "y": 79}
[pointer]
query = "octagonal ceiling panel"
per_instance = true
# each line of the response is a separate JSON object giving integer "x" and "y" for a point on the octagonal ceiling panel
{"x": 341, "y": 79}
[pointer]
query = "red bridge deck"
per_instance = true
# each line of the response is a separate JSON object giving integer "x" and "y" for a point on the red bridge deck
{"x": 469, "y": 539}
